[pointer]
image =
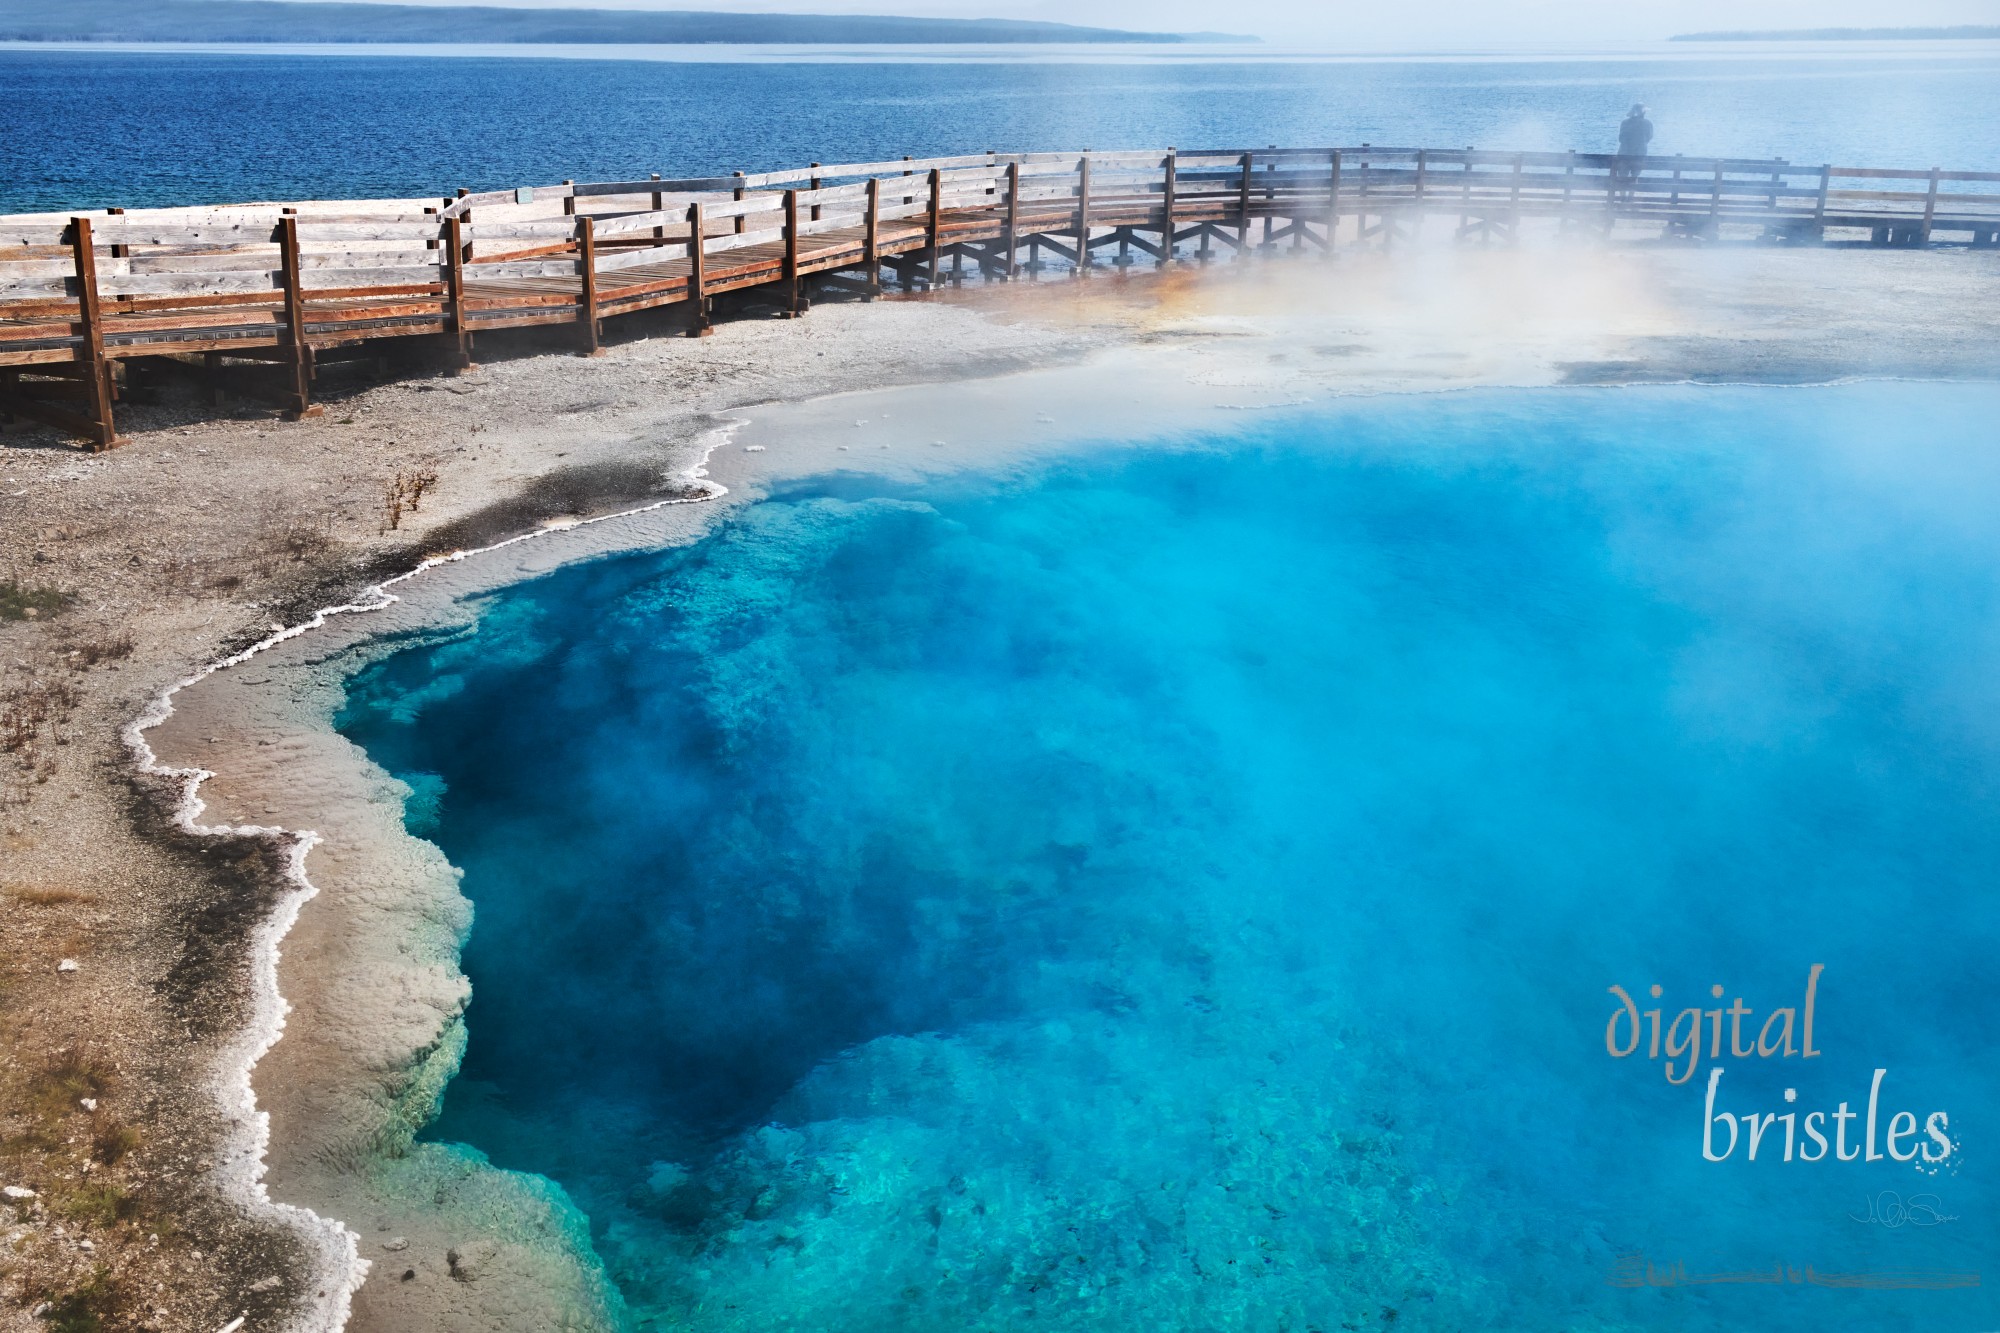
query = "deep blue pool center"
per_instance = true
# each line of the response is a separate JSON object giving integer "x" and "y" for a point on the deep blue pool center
{"x": 1180, "y": 887}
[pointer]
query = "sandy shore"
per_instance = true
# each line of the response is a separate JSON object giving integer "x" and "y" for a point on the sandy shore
{"x": 122, "y": 1103}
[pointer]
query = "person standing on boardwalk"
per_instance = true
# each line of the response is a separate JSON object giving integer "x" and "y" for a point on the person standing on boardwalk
{"x": 1635, "y": 132}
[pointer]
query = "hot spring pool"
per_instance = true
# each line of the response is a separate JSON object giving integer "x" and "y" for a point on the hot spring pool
{"x": 1181, "y": 888}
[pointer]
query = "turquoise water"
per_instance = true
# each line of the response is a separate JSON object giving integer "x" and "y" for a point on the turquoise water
{"x": 1179, "y": 888}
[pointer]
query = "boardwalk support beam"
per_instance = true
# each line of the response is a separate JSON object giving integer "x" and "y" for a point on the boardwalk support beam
{"x": 933, "y": 227}
{"x": 86, "y": 381}
{"x": 1083, "y": 215}
{"x": 586, "y": 308}
{"x": 871, "y": 240}
{"x": 794, "y": 300}
{"x": 1010, "y": 230}
{"x": 1333, "y": 203}
{"x": 697, "y": 286}
{"x": 454, "y": 274}
{"x": 297, "y": 393}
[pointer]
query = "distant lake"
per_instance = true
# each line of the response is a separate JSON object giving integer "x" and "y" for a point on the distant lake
{"x": 91, "y": 126}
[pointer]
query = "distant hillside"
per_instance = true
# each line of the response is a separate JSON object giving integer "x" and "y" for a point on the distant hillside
{"x": 1844, "y": 35}
{"x": 288, "y": 21}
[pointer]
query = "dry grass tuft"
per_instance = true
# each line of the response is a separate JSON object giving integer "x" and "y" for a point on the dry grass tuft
{"x": 31, "y": 726}
{"x": 288, "y": 539}
{"x": 51, "y": 895}
{"x": 85, "y": 1308}
{"x": 59, "y": 1089}
{"x": 112, "y": 1141}
{"x": 18, "y": 601}
{"x": 84, "y": 649}
{"x": 100, "y": 1203}
{"x": 404, "y": 494}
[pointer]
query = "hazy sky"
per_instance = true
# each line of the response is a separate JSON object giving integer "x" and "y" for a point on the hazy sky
{"x": 1403, "y": 24}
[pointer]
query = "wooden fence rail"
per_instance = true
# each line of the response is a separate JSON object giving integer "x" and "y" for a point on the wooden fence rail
{"x": 264, "y": 293}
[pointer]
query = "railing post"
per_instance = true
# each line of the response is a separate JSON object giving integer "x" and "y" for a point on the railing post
{"x": 934, "y": 224}
{"x": 697, "y": 285}
{"x": 1243, "y": 209}
{"x": 1168, "y": 182}
{"x": 1012, "y": 232}
{"x": 101, "y": 431}
{"x": 586, "y": 244}
{"x": 1270, "y": 202}
{"x": 1465, "y": 194}
{"x": 454, "y": 273}
{"x": 1819, "y": 207}
{"x": 1333, "y": 203}
{"x": 659, "y": 206}
{"x": 569, "y": 200}
{"x": 1930, "y": 209}
{"x": 290, "y": 268}
{"x": 1715, "y": 205}
{"x": 1514, "y": 201}
{"x": 1083, "y": 214}
{"x": 813, "y": 181}
{"x": 871, "y": 238}
{"x": 738, "y": 196}
{"x": 1361, "y": 202}
{"x": 794, "y": 303}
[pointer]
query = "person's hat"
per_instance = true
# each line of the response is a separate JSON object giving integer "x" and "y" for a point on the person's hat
{"x": 1637, "y": 110}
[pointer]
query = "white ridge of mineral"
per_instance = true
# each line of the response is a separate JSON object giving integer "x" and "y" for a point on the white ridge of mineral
{"x": 66, "y": 965}
{"x": 17, "y": 1192}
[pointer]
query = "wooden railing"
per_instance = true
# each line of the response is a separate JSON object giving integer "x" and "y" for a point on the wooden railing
{"x": 259, "y": 295}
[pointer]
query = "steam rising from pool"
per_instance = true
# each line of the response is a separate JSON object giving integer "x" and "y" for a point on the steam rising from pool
{"x": 1179, "y": 888}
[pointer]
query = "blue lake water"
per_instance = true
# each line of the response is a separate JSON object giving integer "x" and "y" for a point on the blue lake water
{"x": 189, "y": 127}
{"x": 1180, "y": 887}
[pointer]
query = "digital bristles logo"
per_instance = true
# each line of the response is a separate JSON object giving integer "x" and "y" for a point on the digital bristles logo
{"x": 1785, "y": 1034}
{"x": 1699, "y": 1037}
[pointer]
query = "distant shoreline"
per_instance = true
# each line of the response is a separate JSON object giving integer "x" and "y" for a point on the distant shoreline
{"x": 362, "y": 24}
{"x": 1963, "y": 32}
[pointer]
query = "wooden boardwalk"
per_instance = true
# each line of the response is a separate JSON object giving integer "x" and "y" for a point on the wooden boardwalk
{"x": 263, "y": 294}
